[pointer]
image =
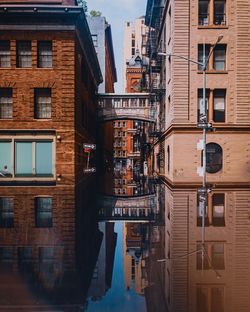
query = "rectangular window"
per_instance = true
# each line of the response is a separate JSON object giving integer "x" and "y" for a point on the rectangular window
{"x": 95, "y": 40}
{"x": 6, "y": 257}
{"x": 220, "y": 57}
{"x": 203, "y": 12}
{"x": 5, "y": 54}
{"x": 210, "y": 298}
{"x": 5, "y": 159}
{"x": 213, "y": 257}
{"x": 218, "y": 213}
{"x": 6, "y": 212}
{"x": 23, "y": 53}
{"x": 219, "y": 12}
{"x": 43, "y": 106}
{"x": 219, "y": 105}
{"x": 43, "y": 206}
{"x": 6, "y": 103}
{"x": 25, "y": 258}
{"x": 44, "y": 54}
{"x": 201, "y": 52}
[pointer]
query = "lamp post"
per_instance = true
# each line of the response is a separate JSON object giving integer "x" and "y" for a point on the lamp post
{"x": 204, "y": 125}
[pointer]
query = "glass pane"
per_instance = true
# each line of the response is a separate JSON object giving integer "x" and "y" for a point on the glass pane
{"x": 5, "y": 159}
{"x": 44, "y": 158}
{"x": 217, "y": 304}
{"x": 23, "y": 158}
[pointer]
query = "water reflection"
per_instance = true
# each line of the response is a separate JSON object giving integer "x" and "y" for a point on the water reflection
{"x": 119, "y": 252}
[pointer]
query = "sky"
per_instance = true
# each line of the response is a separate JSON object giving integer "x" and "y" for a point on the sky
{"x": 117, "y": 12}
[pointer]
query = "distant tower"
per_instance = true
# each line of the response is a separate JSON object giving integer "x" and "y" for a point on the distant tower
{"x": 135, "y": 37}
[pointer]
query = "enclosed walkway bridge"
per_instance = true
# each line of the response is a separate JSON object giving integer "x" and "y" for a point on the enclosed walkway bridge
{"x": 133, "y": 209}
{"x": 134, "y": 106}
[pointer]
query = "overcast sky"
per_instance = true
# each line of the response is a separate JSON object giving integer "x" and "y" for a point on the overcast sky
{"x": 117, "y": 12}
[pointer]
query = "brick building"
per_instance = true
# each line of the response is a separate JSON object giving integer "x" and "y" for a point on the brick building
{"x": 49, "y": 75}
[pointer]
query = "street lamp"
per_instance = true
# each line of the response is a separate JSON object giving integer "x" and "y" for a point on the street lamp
{"x": 204, "y": 125}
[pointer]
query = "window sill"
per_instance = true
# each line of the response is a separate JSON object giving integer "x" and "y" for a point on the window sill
{"x": 212, "y": 27}
{"x": 213, "y": 72}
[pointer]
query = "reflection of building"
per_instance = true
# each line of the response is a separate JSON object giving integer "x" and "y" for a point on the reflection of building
{"x": 134, "y": 244}
{"x": 102, "y": 39}
{"x": 220, "y": 280}
{"x": 102, "y": 276}
{"x": 49, "y": 77}
{"x": 227, "y": 88}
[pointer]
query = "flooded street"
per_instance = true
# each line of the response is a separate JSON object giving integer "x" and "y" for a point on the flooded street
{"x": 140, "y": 252}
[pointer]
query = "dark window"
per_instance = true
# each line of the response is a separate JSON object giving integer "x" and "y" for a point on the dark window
{"x": 6, "y": 257}
{"x": 24, "y": 56}
{"x": 203, "y": 12}
{"x": 6, "y": 212}
{"x": 201, "y": 117}
{"x": 133, "y": 43}
{"x": 168, "y": 156}
{"x": 6, "y": 103}
{"x": 201, "y": 52}
{"x": 220, "y": 57}
{"x": 95, "y": 40}
{"x": 25, "y": 258}
{"x": 43, "y": 103}
{"x": 214, "y": 157}
{"x": 43, "y": 206}
{"x": 210, "y": 298}
{"x": 5, "y": 54}
{"x": 213, "y": 256}
{"x": 219, "y": 12}
{"x": 44, "y": 54}
{"x": 133, "y": 51}
{"x": 219, "y": 105}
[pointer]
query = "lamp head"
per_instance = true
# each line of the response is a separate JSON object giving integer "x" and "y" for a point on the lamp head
{"x": 219, "y": 38}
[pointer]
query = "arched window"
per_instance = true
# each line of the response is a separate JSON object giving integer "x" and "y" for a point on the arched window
{"x": 213, "y": 158}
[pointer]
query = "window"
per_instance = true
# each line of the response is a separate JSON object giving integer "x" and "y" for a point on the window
{"x": 95, "y": 40}
{"x": 43, "y": 103}
{"x": 24, "y": 57}
{"x": 25, "y": 258}
{"x": 5, "y": 54}
{"x": 212, "y": 12}
{"x": 210, "y": 298}
{"x": 214, "y": 157}
{"x": 219, "y": 12}
{"x": 44, "y": 54}
{"x": 215, "y": 211}
{"x": 26, "y": 158}
{"x": 203, "y": 12}
{"x": 201, "y": 52}
{"x": 6, "y": 212}
{"x": 220, "y": 57}
{"x": 43, "y": 207}
{"x": 133, "y": 51}
{"x": 217, "y": 110}
{"x": 6, "y": 103}
{"x": 219, "y": 105}
{"x": 6, "y": 257}
{"x": 213, "y": 256}
{"x": 5, "y": 159}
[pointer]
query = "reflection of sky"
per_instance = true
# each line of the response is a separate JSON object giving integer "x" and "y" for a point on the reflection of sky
{"x": 118, "y": 298}
{"x": 117, "y": 12}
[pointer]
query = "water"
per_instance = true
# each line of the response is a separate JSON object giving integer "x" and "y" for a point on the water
{"x": 138, "y": 251}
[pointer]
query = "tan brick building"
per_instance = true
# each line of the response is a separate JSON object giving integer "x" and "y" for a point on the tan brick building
{"x": 49, "y": 74}
{"x": 181, "y": 28}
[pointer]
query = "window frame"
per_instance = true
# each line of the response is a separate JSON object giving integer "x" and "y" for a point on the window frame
{"x": 28, "y": 138}
{"x": 8, "y": 102}
{"x": 5, "y": 53}
{"x": 19, "y": 55}
{"x": 38, "y": 105}
{"x": 9, "y": 223}
{"x": 38, "y": 224}
{"x": 40, "y": 56}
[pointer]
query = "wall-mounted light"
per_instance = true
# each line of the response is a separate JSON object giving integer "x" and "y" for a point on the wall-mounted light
{"x": 58, "y": 138}
{"x": 59, "y": 177}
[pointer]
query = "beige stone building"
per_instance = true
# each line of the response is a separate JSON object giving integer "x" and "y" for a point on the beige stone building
{"x": 181, "y": 28}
